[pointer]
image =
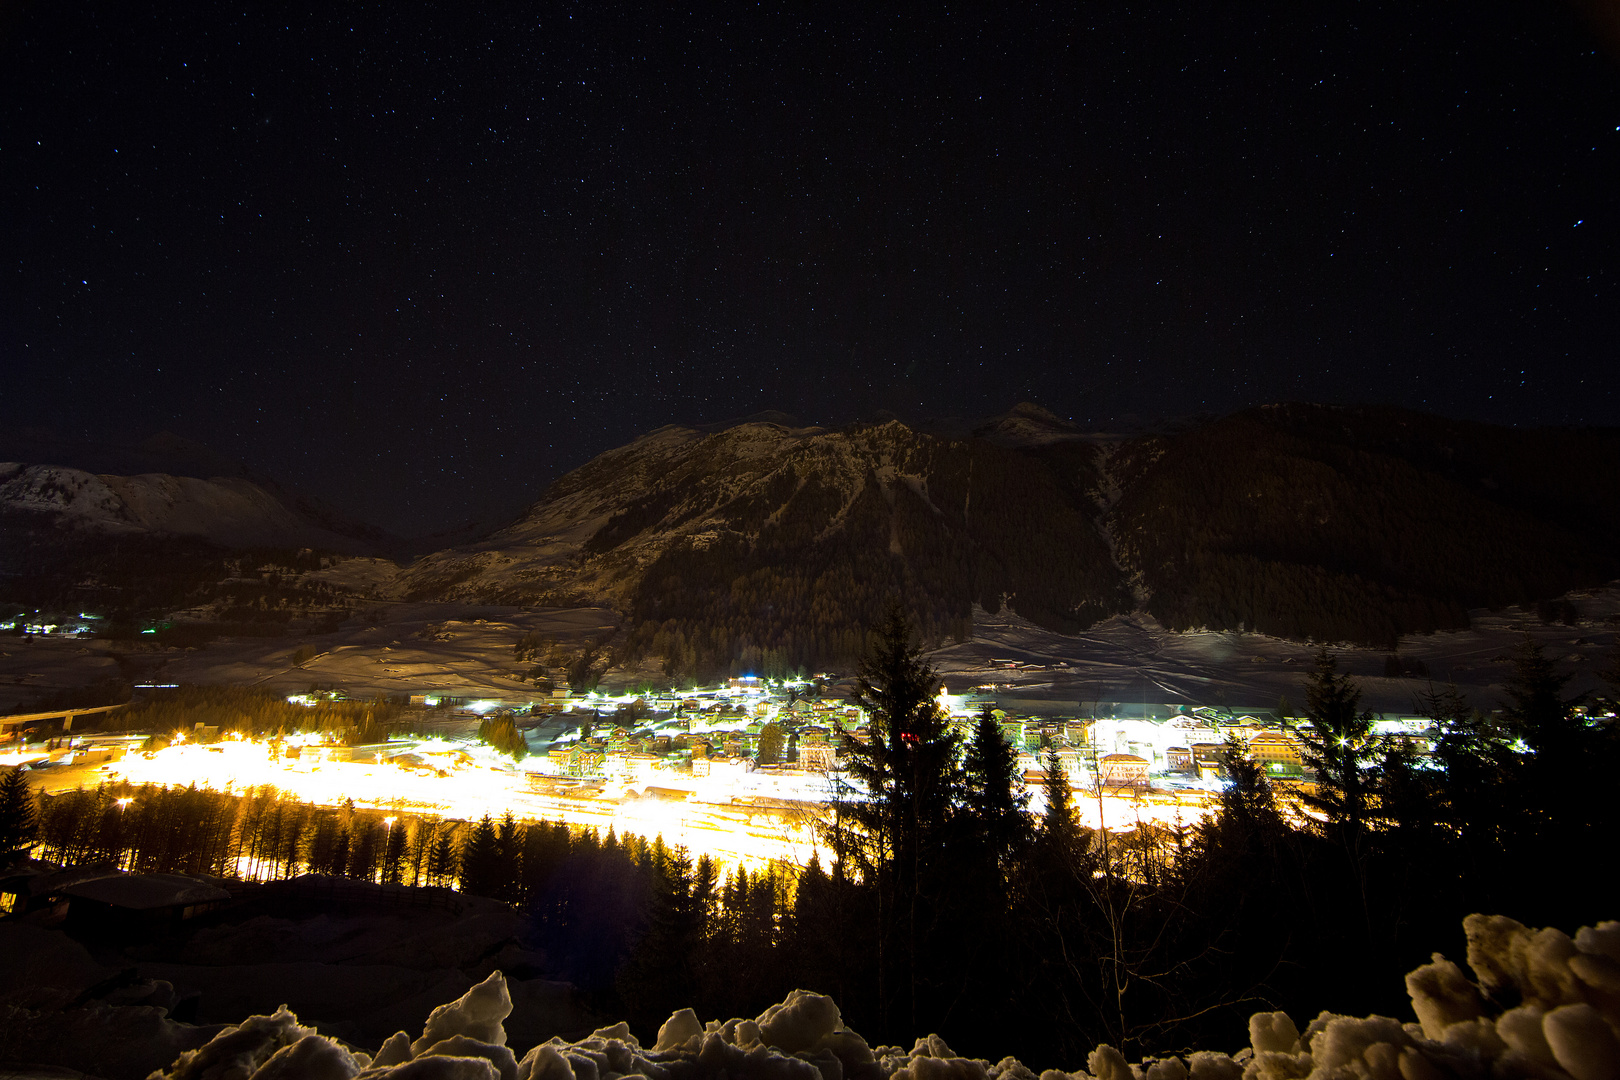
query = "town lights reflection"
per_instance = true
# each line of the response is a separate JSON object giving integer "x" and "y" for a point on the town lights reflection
{"x": 467, "y": 781}
{"x": 731, "y": 823}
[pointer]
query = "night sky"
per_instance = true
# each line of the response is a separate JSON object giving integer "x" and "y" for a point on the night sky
{"x": 419, "y": 263}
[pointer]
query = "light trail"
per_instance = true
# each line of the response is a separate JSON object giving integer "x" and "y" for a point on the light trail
{"x": 463, "y": 781}
{"x": 466, "y": 780}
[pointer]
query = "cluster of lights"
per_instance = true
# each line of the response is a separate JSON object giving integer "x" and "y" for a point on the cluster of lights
{"x": 460, "y": 780}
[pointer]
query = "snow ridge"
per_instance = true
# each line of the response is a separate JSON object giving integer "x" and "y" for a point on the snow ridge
{"x": 1564, "y": 1024}
{"x": 228, "y": 510}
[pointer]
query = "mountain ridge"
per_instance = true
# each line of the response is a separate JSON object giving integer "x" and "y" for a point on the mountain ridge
{"x": 762, "y": 543}
{"x": 1353, "y": 523}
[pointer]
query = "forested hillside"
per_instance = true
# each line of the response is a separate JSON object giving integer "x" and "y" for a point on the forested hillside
{"x": 1362, "y": 524}
{"x": 768, "y": 548}
{"x": 798, "y": 566}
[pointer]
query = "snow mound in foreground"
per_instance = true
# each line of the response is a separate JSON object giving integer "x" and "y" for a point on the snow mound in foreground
{"x": 1541, "y": 1006}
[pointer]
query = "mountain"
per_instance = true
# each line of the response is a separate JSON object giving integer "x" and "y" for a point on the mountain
{"x": 166, "y": 485}
{"x": 771, "y": 546}
{"x": 765, "y": 545}
{"x": 774, "y": 544}
{"x": 143, "y": 544}
{"x": 231, "y": 511}
{"x": 162, "y": 452}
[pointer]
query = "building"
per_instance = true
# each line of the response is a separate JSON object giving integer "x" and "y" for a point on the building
{"x": 1207, "y": 760}
{"x": 1277, "y": 753}
{"x": 817, "y": 753}
{"x": 1123, "y": 770}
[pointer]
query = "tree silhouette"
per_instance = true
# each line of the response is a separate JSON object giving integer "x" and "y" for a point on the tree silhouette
{"x": 907, "y": 768}
{"x": 19, "y": 820}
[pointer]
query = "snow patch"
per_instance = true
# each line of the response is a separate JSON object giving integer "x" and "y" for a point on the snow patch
{"x": 1566, "y": 1026}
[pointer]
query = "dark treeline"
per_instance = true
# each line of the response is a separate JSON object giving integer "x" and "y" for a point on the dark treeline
{"x": 953, "y": 910}
{"x": 802, "y": 569}
{"x": 261, "y": 835}
{"x": 946, "y": 906}
{"x": 1362, "y": 524}
{"x": 633, "y": 923}
{"x": 256, "y": 711}
{"x": 135, "y": 581}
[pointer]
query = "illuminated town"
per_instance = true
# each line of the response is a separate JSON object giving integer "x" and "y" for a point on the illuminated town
{"x": 740, "y": 772}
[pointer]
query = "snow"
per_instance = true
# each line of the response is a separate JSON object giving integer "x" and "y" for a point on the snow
{"x": 226, "y": 510}
{"x": 462, "y": 1046}
{"x": 1133, "y": 660}
{"x": 143, "y": 892}
{"x": 477, "y": 1014}
{"x": 242, "y": 1050}
{"x": 1565, "y": 1028}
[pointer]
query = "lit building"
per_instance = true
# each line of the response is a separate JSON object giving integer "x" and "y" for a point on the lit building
{"x": 1123, "y": 770}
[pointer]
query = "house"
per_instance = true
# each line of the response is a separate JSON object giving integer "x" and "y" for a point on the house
{"x": 1207, "y": 760}
{"x": 1123, "y": 770}
{"x": 1277, "y": 753}
{"x": 817, "y": 753}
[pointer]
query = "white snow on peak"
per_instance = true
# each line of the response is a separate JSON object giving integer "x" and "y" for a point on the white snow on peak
{"x": 226, "y": 510}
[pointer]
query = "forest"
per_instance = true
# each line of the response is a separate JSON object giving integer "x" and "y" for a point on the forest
{"x": 1309, "y": 522}
{"x": 800, "y": 573}
{"x": 135, "y": 582}
{"x": 1362, "y": 524}
{"x": 945, "y": 905}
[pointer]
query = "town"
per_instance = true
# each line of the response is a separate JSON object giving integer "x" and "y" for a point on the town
{"x": 738, "y": 771}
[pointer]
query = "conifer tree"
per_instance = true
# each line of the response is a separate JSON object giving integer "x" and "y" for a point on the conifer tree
{"x": 1059, "y": 829}
{"x": 1337, "y": 746}
{"x": 19, "y": 820}
{"x": 907, "y": 767}
{"x": 1537, "y": 710}
{"x": 1248, "y": 817}
{"x": 480, "y": 860}
{"x": 394, "y": 846}
{"x": 993, "y": 792}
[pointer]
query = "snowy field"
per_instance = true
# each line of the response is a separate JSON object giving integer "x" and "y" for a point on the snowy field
{"x": 464, "y": 651}
{"x": 1131, "y": 659}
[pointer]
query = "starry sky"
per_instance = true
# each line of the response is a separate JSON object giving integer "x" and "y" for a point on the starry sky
{"x": 419, "y": 261}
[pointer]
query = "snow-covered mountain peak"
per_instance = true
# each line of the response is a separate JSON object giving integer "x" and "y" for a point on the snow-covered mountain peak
{"x": 227, "y": 510}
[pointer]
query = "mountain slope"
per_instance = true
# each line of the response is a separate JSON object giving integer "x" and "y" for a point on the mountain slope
{"x": 1360, "y": 524}
{"x": 228, "y": 510}
{"x": 759, "y": 545}
{"x": 773, "y": 546}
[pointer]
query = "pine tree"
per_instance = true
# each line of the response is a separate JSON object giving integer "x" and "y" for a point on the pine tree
{"x": 1059, "y": 829}
{"x": 1538, "y": 712}
{"x": 993, "y": 792}
{"x": 509, "y": 850}
{"x": 481, "y": 860}
{"x": 19, "y": 820}
{"x": 1337, "y": 746}
{"x": 1563, "y": 807}
{"x": 907, "y": 767}
{"x": 1248, "y": 817}
{"x": 394, "y": 846}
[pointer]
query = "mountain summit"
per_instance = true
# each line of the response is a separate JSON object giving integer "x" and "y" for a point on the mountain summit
{"x": 779, "y": 543}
